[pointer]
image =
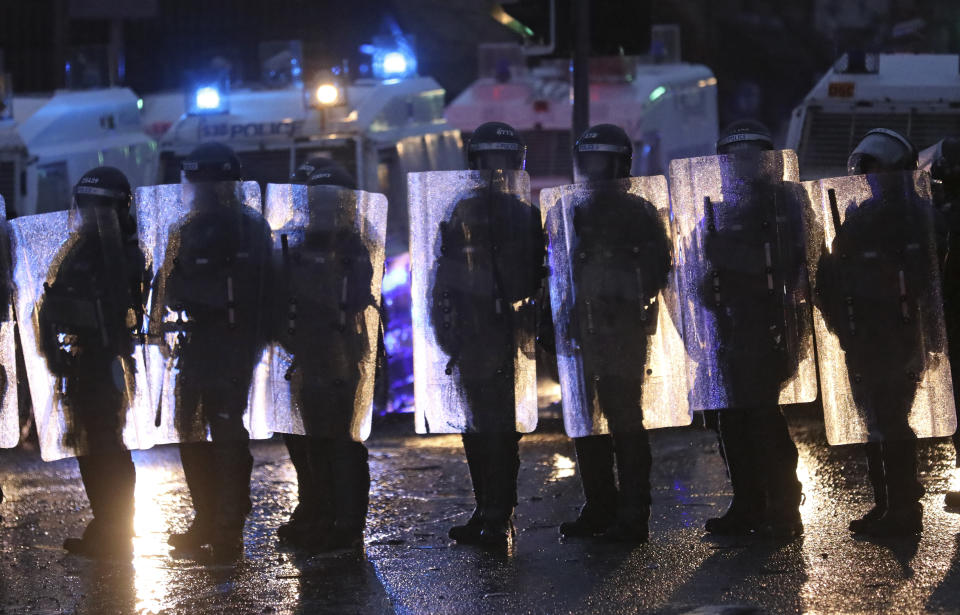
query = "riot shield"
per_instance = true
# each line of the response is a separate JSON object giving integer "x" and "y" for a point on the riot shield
{"x": 476, "y": 254}
{"x": 209, "y": 250}
{"x": 78, "y": 322}
{"x": 615, "y": 306}
{"x": 878, "y": 310}
{"x": 740, "y": 228}
{"x": 9, "y": 408}
{"x": 329, "y": 253}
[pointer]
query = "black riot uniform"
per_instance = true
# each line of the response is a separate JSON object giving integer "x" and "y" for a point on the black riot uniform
{"x": 217, "y": 276}
{"x": 946, "y": 170}
{"x": 323, "y": 290}
{"x": 622, "y": 258}
{"x": 492, "y": 252}
{"x": 86, "y": 321}
{"x": 883, "y": 349}
{"x": 760, "y": 455}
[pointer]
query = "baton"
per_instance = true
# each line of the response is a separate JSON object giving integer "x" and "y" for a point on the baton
{"x": 834, "y": 210}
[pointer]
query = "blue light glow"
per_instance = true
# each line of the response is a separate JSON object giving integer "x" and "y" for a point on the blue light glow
{"x": 394, "y": 63}
{"x": 393, "y": 56}
{"x": 208, "y": 98}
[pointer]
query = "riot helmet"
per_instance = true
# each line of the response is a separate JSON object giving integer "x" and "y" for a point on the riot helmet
{"x": 106, "y": 188}
{"x": 331, "y": 174}
{"x": 744, "y": 135}
{"x": 323, "y": 165}
{"x": 210, "y": 162}
{"x": 211, "y": 176}
{"x": 743, "y": 145}
{"x": 496, "y": 145}
{"x": 603, "y": 152}
{"x": 882, "y": 151}
{"x": 946, "y": 164}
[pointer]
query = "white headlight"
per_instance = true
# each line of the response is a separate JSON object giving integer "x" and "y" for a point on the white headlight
{"x": 327, "y": 94}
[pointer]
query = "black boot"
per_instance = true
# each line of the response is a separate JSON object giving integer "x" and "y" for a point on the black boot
{"x": 500, "y": 485}
{"x": 233, "y": 498}
{"x": 110, "y": 481}
{"x": 350, "y": 473}
{"x": 303, "y": 514}
{"x": 784, "y": 493}
{"x": 904, "y": 514}
{"x": 198, "y": 460}
{"x": 874, "y": 451}
{"x": 595, "y": 461}
{"x": 633, "y": 469}
{"x": 745, "y": 514}
{"x": 473, "y": 448}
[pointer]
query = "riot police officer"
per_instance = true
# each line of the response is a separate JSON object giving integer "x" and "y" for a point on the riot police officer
{"x": 623, "y": 257}
{"x": 946, "y": 170}
{"x": 759, "y": 453}
{"x": 216, "y": 276}
{"x": 323, "y": 292}
{"x": 93, "y": 358}
{"x": 884, "y": 347}
{"x": 492, "y": 252}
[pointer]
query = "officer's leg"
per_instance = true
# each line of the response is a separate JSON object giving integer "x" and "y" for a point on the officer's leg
{"x": 874, "y": 454}
{"x": 595, "y": 462}
{"x": 199, "y": 469}
{"x": 107, "y": 470}
{"x": 473, "y": 448}
{"x": 234, "y": 463}
{"x": 109, "y": 478}
{"x": 620, "y": 397}
{"x": 783, "y": 491}
{"x": 500, "y": 482}
{"x": 904, "y": 513}
{"x": 351, "y": 480}
{"x": 299, "y": 449}
{"x": 746, "y": 508}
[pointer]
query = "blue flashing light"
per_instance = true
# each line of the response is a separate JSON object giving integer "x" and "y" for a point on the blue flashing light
{"x": 657, "y": 92}
{"x": 207, "y": 98}
{"x": 394, "y": 63}
{"x": 392, "y": 56}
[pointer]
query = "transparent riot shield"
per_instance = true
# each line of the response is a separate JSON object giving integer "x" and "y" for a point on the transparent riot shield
{"x": 878, "y": 310}
{"x": 208, "y": 362}
{"x": 78, "y": 320}
{"x": 740, "y": 231}
{"x": 9, "y": 409}
{"x": 476, "y": 254}
{"x": 615, "y": 306}
{"x": 329, "y": 254}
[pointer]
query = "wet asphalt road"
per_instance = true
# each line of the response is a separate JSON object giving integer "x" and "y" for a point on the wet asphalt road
{"x": 421, "y": 486}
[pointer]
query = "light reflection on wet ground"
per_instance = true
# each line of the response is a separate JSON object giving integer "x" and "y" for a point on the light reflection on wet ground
{"x": 421, "y": 487}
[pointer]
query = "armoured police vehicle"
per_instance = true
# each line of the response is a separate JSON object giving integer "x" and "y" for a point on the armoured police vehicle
{"x": 667, "y": 107}
{"x": 918, "y": 95}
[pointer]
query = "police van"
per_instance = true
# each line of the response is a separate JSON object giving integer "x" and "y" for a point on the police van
{"x": 48, "y": 141}
{"x": 917, "y": 95}
{"x": 379, "y": 128}
{"x": 667, "y": 107}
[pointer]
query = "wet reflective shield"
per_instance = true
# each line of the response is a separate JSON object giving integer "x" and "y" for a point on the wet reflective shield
{"x": 78, "y": 322}
{"x": 328, "y": 263}
{"x": 476, "y": 257}
{"x": 9, "y": 410}
{"x": 881, "y": 338}
{"x": 615, "y": 306}
{"x": 209, "y": 250}
{"x": 741, "y": 243}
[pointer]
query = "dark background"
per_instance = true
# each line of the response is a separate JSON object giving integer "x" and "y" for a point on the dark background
{"x": 766, "y": 54}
